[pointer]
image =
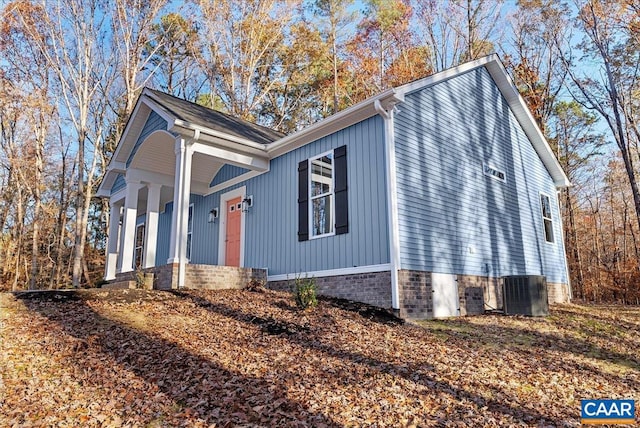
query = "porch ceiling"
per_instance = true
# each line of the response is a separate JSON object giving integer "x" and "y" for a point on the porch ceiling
{"x": 156, "y": 156}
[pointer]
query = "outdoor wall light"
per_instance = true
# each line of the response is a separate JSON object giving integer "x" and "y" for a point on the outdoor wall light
{"x": 247, "y": 203}
{"x": 213, "y": 215}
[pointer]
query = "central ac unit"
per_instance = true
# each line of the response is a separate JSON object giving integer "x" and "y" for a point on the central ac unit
{"x": 525, "y": 295}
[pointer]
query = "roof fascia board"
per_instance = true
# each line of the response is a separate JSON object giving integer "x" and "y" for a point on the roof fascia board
{"x": 354, "y": 114}
{"x": 445, "y": 75}
{"x": 178, "y": 125}
{"x": 127, "y": 129}
{"x": 188, "y": 128}
{"x": 151, "y": 101}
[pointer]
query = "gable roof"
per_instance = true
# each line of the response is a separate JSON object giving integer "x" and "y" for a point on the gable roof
{"x": 186, "y": 117}
{"x": 196, "y": 114}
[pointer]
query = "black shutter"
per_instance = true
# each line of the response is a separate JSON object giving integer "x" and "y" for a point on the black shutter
{"x": 341, "y": 200}
{"x": 303, "y": 201}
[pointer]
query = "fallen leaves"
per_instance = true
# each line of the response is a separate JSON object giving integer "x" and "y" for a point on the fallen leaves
{"x": 236, "y": 358}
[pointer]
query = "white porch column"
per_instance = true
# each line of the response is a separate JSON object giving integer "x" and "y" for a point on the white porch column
{"x": 113, "y": 240}
{"x": 151, "y": 228}
{"x": 129, "y": 227}
{"x": 180, "y": 215}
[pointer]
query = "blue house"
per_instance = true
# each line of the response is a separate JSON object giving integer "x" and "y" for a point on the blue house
{"x": 420, "y": 199}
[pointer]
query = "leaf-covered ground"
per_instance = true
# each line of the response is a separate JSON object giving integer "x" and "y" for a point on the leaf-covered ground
{"x": 240, "y": 358}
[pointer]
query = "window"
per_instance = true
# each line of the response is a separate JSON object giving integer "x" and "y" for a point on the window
{"x": 139, "y": 247}
{"x": 545, "y": 204}
{"x": 321, "y": 195}
{"x": 189, "y": 230}
{"x": 323, "y": 208}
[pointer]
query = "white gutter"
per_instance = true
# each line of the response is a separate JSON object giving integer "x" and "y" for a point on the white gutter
{"x": 392, "y": 201}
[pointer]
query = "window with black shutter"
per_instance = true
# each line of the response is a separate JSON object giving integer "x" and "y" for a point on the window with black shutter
{"x": 322, "y": 195}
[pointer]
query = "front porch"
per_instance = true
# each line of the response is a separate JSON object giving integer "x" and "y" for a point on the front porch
{"x": 171, "y": 152}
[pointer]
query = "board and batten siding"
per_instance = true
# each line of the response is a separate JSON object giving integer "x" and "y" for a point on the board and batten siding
{"x": 452, "y": 217}
{"x": 118, "y": 183}
{"x": 271, "y": 239}
{"x": 226, "y": 173}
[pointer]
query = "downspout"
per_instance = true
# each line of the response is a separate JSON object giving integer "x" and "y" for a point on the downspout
{"x": 392, "y": 202}
{"x": 182, "y": 262}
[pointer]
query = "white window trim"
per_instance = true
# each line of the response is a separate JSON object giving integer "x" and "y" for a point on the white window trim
{"x": 543, "y": 218}
{"x": 488, "y": 165}
{"x": 332, "y": 195}
{"x": 222, "y": 231}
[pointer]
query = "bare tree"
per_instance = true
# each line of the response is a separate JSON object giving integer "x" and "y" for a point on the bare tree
{"x": 239, "y": 43}
{"x": 78, "y": 55}
{"x": 603, "y": 25}
{"x": 455, "y": 31}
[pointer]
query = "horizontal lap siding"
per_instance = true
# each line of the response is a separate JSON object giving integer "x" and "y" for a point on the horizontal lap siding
{"x": 452, "y": 217}
{"x": 271, "y": 224}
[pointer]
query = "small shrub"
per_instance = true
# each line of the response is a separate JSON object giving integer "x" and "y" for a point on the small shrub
{"x": 138, "y": 276}
{"x": 305, "y": 293}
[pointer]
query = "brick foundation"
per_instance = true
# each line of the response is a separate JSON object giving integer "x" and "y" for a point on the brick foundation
{"x": 371, "y": 288}
{"x": 476, "y": 293}
{"x": 415, "y": 294}
{"x": 210, "y": 277}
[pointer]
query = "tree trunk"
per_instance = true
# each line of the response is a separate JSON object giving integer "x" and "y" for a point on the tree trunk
{"x": 81, "y": 223}
{"x": 37, "y": 201}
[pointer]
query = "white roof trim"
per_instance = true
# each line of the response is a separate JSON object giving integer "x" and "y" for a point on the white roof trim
{"x": 117, "y": 165}
{"x": 178, "y": 125}
{"x": 529, "y": 125}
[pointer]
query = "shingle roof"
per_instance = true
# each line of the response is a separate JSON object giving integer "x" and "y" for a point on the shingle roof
{"x": 212, "y": 119}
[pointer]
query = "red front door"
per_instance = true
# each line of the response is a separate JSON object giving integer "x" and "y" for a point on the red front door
{"x": 232, "y": 243}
